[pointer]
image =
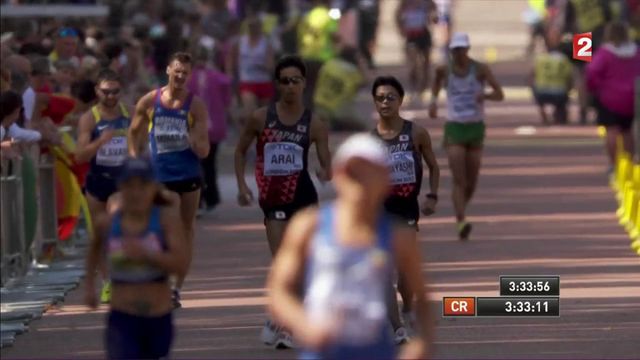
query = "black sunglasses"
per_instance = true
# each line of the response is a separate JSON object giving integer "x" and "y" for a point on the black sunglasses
{"x": 381, "y": 98}
{"x": 295, "y": 80}
{"x": 108, "y": 92}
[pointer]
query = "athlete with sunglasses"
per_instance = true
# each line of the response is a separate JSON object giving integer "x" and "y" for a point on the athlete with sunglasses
{"x": 284, "y": 132}
{"x": 407, "y": 144}
{"x": 102, "y": 141}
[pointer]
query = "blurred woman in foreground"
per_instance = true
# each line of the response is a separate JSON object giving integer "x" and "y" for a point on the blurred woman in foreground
{"x": 346, "y": 252}
{"x": 142, "y": 247}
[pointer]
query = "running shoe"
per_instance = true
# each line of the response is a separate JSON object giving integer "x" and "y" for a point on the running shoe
{"x": 464, "y": 229}
{"x": 270, "y": 333}
{"x": 409, "y": 320}
{"x": 401, "y": 336}
{"x": 285, "y": 341}
{"x": 105, "y": 294}
{"x": 176, "y": 299}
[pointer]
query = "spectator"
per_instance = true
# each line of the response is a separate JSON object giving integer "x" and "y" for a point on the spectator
{"x": 65, "y": 74}
{"x": 253, "y": 61}
{"x": 216, "y": 22}
{"x": 11, "y": 110}
{"x": 551, "y": 80}
{"x": 610, "y": 77}
{"x": 10, "y": 107}
{"x": 214, "y": 87}
{"x": 317, "y": 36}
{"x": 5, "y": 79}
{"x": 41, "y": 75}
{"x": 338, "y": 84}
{"x": 65, "y": 46}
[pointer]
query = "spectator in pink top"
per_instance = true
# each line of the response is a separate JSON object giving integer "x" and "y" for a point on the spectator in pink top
{"x": 214, "y": 87}
{"x": 610, "y": 78}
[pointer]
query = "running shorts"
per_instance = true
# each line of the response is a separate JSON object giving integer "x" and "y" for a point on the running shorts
{"x": 100, "y": 187}
{"x": 466, "y": 134}
{"x": 305, "y": 196}
{"x": 405, "y": 212}
{"x": 184, "y": 186}
{"x": 422, "y": 41}
{"x": 137, "y": 337}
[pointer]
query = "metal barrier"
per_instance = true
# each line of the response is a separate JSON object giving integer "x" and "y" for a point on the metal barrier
{"x": 16, "y": 251}
{"x": 13, "y": 243}
{"x": 48, "y": 217}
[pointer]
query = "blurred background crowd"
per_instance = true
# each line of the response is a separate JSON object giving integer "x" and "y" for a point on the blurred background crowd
{"x": 50, "y": 60}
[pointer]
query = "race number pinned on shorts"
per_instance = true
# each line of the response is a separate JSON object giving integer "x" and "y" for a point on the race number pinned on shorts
{"x": 582, "y": 46}
{"x": 403, "y": 169}
{"x": 282, "y": 158}
{"x": 113, "y": 153}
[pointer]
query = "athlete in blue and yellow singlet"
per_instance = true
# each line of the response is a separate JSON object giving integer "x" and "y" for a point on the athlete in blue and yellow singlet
{"x": 102, "y": 141}
{"x": 171, "y": 123}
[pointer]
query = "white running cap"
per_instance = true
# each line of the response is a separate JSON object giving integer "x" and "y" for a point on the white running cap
{"x": 459, "y": 40}
{"x": 364, "y": 146}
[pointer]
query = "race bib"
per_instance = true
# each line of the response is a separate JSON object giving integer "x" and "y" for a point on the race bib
{"x": 171, "y": 134}
{"x": 113, "y": 153}
{"x": 282, "y": 158}
{"x": 403, "y": 169}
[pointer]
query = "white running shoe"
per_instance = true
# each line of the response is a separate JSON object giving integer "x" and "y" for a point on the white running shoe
{"x": 409, "y": 320}
{"x": 270, "y": 333}
{"x": 285, "y": 341}
{"x": 401, "y": 336}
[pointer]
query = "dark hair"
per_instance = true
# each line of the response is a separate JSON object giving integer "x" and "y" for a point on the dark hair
{"x": 112, "y": 49}
{"x": 182, "y": 57}
{"x": 107, "y": 75}
{"x": 389, "y": 81}
{"x": 84, "y": 90}
{"x": 9, "y": 102}
{"x": 617, "y": 33}
{"x": 290, "y": 61}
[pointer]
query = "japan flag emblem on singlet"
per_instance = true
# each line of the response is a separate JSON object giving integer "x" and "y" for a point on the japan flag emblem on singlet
{"x": 302, "y": 128}
{"x": 404, "y": 137}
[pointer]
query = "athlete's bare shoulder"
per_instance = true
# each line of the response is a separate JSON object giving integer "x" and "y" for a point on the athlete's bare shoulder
{"x": 259, "y": 116}
{"x": 146, "y": 100}
{"x": 420, "y": 135}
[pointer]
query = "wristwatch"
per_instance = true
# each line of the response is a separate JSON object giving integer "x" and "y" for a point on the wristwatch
{"x": 432, "y": 196}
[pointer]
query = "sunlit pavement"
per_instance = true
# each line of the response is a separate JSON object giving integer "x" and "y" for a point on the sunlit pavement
{"x": 542, "y": 207}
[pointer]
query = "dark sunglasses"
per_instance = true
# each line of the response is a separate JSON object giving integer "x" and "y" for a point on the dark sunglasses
{"x": 108, "y": 92}
{"x": 295, "y": 80}
{"x": 67, "y": 32}
{"x": 381, "y": 98}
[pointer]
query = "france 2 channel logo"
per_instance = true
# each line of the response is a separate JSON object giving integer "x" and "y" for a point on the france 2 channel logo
{"x": 582, "y": 45}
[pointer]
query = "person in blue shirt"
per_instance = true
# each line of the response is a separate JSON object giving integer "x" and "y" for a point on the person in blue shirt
{"x": 171, "y": 123}
{"x": 343, "y": 256}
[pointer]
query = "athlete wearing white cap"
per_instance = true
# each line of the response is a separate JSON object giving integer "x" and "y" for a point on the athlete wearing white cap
{"x": 343, "y": 254}
{"x": 464, "y": 129}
